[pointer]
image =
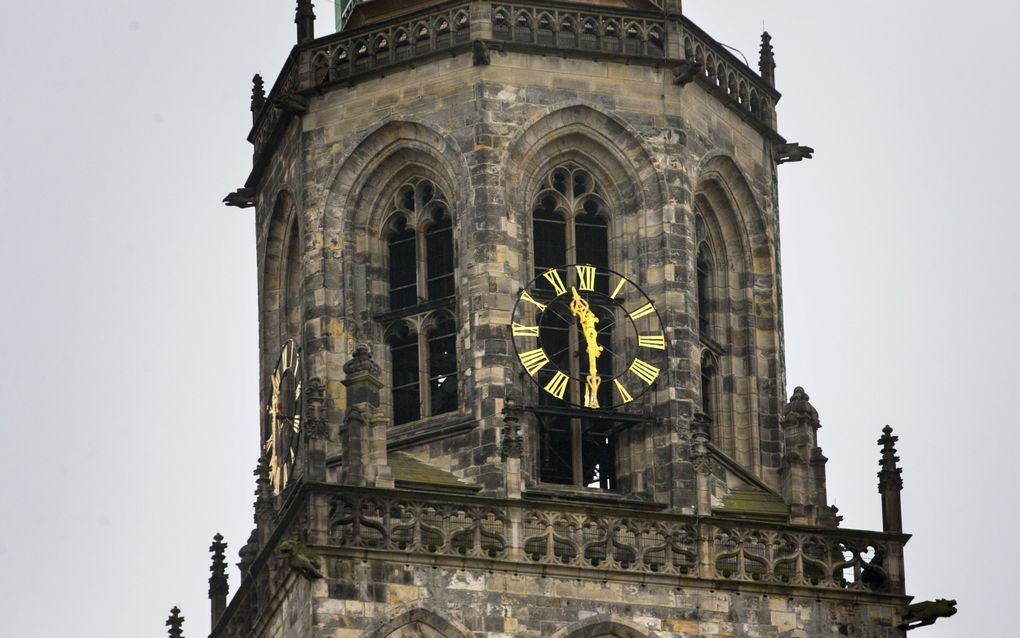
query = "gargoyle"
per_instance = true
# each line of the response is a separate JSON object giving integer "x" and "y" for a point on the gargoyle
{"x": 301, "y": 559}
{"x": 685, "y": 72}
{"x": 927, "y": 612}
{"x": 292, "y": 103}
{"x": 241, "y": 198}
{"x": 793, "y": 152}
{"x": 480, "y": 53}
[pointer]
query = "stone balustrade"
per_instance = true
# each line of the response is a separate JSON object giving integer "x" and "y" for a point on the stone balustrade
{"x": 633, "y": 36}
{"x": 636, "y": 541}
{"x": 615, "y": 539}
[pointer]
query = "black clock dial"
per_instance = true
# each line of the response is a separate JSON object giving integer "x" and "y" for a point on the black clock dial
{"x": 588, "y": 336}
{"x": 284, "y": 410}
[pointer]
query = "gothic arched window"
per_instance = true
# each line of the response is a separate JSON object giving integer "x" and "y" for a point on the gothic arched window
{"x": 708, "y": 331}
{"x": 570, "y": 226}
{"x": 569, "y": 222}
{"x": 421, "y": 331}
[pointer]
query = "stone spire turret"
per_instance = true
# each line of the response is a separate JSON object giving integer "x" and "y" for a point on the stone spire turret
{"x": 305, "y": 19}
{"x": 767, "y": 60}
{"x": 364, "y": 428}
{"x": 174, "y": 623}
{"x": 890, "y": 482}
{"x": 803, "y": 465}
{"x": 263, "y": 501}
{"x": 258, "y": 95}
{"x": 218, "y": 586}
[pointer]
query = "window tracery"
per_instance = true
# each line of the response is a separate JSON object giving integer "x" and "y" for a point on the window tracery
{"x": 704, "y": 279}
{"x": 421, "y": 330}
{"x": 570, "y": 224}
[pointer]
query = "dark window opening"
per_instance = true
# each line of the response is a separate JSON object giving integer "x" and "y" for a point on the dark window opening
{"x": 406, "y": 393}
{"x": 593, "y": 242}
{"x": 442, "y": 344}
{"x": 570, "y": 226}
{"x": 557, "y": 461}
{"x": 598, "y": 458}
{"x": 292, "y": 285}
{"x": 550, "y": 239}
{"x": 707, "y": 388}
{"x": 403, "y": 266}
{"x": 704, "y": 278}
{"x": 421, "y": 269}
{"x": 439, "y": 255}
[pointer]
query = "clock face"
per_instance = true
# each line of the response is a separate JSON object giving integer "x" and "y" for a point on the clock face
{"x": 588, "y": 337}
{"x": 284, "y": 416}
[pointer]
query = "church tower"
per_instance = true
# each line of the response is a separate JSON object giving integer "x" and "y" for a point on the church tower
{"x": 521, "y": 340}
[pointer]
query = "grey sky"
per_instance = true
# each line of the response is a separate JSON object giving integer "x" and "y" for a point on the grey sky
{"x": 129, "y": 344}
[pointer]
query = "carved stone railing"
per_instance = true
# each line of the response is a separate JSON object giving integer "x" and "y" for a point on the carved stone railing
{"x": 267, "y": 120}
{"x": 559, "y": 27}
{"x": 618, "y": 541}
{"x": 349, "y": 54}
{"x": 732, "y": 78}
{"x": 631, "y": 35}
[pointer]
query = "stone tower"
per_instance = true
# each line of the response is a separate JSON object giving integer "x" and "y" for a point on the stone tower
{"x": 522, "y": 343}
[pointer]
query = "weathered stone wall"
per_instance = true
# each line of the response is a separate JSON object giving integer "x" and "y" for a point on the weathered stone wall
{"x": 487, "y": 135}
{"x": 372, "y": 598}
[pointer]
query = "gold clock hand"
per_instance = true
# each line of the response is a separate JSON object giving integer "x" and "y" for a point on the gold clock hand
{"x": 587, "y": 319}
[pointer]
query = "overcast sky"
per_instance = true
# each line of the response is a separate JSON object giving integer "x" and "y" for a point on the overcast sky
{"x": 129, "y": 341}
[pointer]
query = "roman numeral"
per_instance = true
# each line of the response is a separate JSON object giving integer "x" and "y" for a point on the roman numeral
{"x": 534, "y": 360}
{"x": 652, "y": 341}
{"x": 646, "y": 309}
{"x": 646, "y": 371}
{"x": 586, "y": 277}
{"x": 524, "y": 331}
{"x": 553, "y": 277}
{"x": 557, "y": 386}
{"x": 616, "y": 290}
{"x": 623, "y": 391}
{"x": 526, "y": 297}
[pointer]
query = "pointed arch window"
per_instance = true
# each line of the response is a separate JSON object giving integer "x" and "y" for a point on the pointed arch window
{"x": 704, "y": 282}
{"x": 292, "y": 285}
{"x": 421, "y": 329}
{"x": 711, "y": 350}
{"x": 570, "y": 224}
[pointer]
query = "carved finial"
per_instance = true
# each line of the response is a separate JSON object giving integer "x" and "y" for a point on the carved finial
{"x": 362, "y": 381}
{"x": 218, "y": 587}
{"x": 218, "y": 580}
{"x": 263, "y": 489}
{"x": 767, "y": 60}
{"x": 512, "y": 445}
{"x": 258, "y": 94}
{"x": 889, "y": 477}
{"x": 361, "y": 361}
{"x": 305, "y": 20}
{"x": 315, "y": 409}
{"x": 800, "y": 408}
{"x": 174, "y": 622}
{"x": 262, "y": 476}
{"x": 247, "y": 553}
{"x": 701, "y": 425}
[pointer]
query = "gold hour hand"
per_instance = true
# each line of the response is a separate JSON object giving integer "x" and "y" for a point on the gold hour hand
{"x": 581, "y": 309}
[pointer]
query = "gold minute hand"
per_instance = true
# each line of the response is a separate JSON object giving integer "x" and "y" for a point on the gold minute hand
{"x": 580, "y": 308}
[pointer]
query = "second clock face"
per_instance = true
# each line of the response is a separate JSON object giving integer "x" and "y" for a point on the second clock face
{"x": 588, "y": 336}
{"x": 284, "y": 417}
